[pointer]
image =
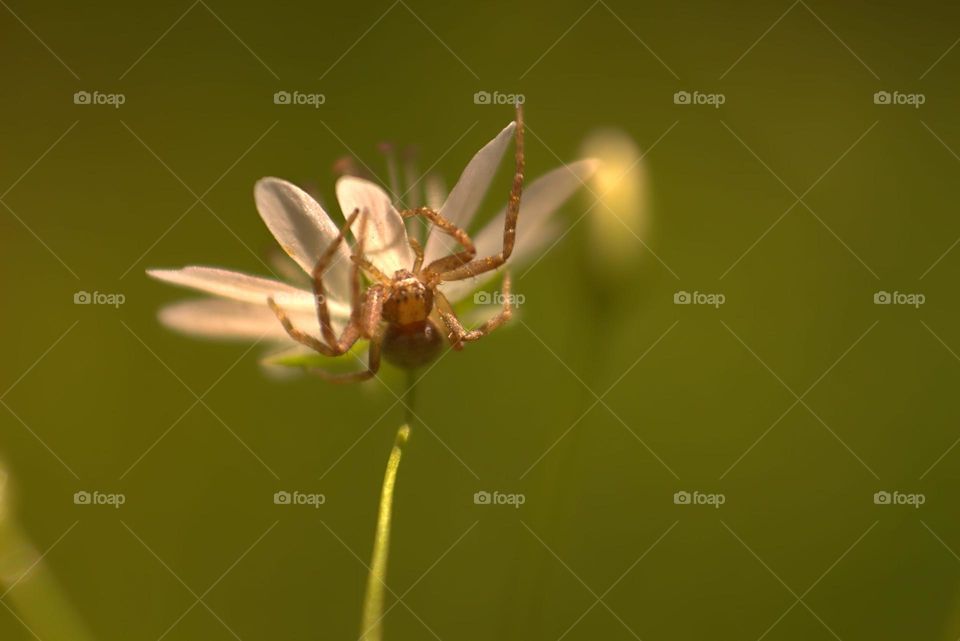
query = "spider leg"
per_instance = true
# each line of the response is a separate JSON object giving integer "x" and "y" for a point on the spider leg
{"x": 372, "y": 312}
{"x": 447, "y": 227}
{"x": 364, "y": 324}
{"x": 373, "y": 365}
{"x": 461, "y": 335}
{"x": 332, "y": 345}
{"x": 442, "y": 311}
{"x": 370, "y": 326}
{"x": 319, "y": 291}
{"x": 299, "y": 335}
{"x": 371, "y": 269}
{"x": 364, "y": 307}
{"x": 418, "y": 252}
{"x": 482, "y": 265}
{"x": 360, "y": 261}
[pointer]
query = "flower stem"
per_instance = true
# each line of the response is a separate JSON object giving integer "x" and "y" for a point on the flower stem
{"x": 25, "y": 581}
{"x": 412, "y": 396}
{"x": 371, "y": 627}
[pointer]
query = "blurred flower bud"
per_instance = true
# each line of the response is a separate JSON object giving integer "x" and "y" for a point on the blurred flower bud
{"x": 619, "y": 213}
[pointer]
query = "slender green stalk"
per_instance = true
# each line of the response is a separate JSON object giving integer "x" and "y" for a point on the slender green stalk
{"x": 28, "y": 585}
{"x": 411, "y": 396}
{"x": 371, "y": 627}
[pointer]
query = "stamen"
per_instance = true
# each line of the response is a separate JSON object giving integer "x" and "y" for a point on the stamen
{"x": 413, "y": 194}
{"x": 412, "y": 198}
{"x": 389, "y": 153}
{"x": 348, "y": 166}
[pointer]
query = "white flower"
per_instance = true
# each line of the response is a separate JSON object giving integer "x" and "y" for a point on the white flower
{"x": 304, "y": 230}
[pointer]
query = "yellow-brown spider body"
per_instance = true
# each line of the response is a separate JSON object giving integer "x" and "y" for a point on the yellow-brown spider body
{"x": 411, "y": 339}
{"x": 409, "y": 301}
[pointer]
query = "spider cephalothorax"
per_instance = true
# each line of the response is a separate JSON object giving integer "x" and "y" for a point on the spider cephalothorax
{"x": 409, "y": 301}
{"x": 401, "y": 315}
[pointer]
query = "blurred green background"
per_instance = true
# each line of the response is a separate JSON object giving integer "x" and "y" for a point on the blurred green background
{"x": 692, "y": 397}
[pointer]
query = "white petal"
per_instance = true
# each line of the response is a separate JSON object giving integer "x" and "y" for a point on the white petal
{"x": 231, "y": 320}
{"x": 235, "y": 285}
{"x": 286, "y": 352}
{"x": 303, "y": 229}
{"x": 385, "y": 243}
{"x": 436, "y": 191}
{"x": 540, "y": 200}
{"x": 462, "y": 203}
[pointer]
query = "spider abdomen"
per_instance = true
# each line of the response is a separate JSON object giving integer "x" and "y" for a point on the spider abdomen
{"x": 412, "y": 345}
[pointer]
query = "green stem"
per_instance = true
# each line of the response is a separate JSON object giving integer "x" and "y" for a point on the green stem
{"x": 412, "y": 396}
{"x": 27, "y": 583}
{"x": 371, "y": 628}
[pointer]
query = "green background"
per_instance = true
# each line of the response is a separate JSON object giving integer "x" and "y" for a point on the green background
{"x": 799, "y": 521}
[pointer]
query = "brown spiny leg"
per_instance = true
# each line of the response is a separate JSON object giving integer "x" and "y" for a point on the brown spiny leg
{"x": 368, "y": 324}
{"x": 332, "y": 346}
{"x": 372, "y": 312}
{"x": 373, "y": 365}
{"x": 418, "y": 253}
{"x": 370, "y": 269}
{"x": 482, "y": 265}
{"x": 460, "y": 334}
{"x": 440, "y": 222}
{"x": 444, "y": 311}
{"x": 361, "y": 262}
{"x": 320, "y": 293}
{"x": 299, "y": 335}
